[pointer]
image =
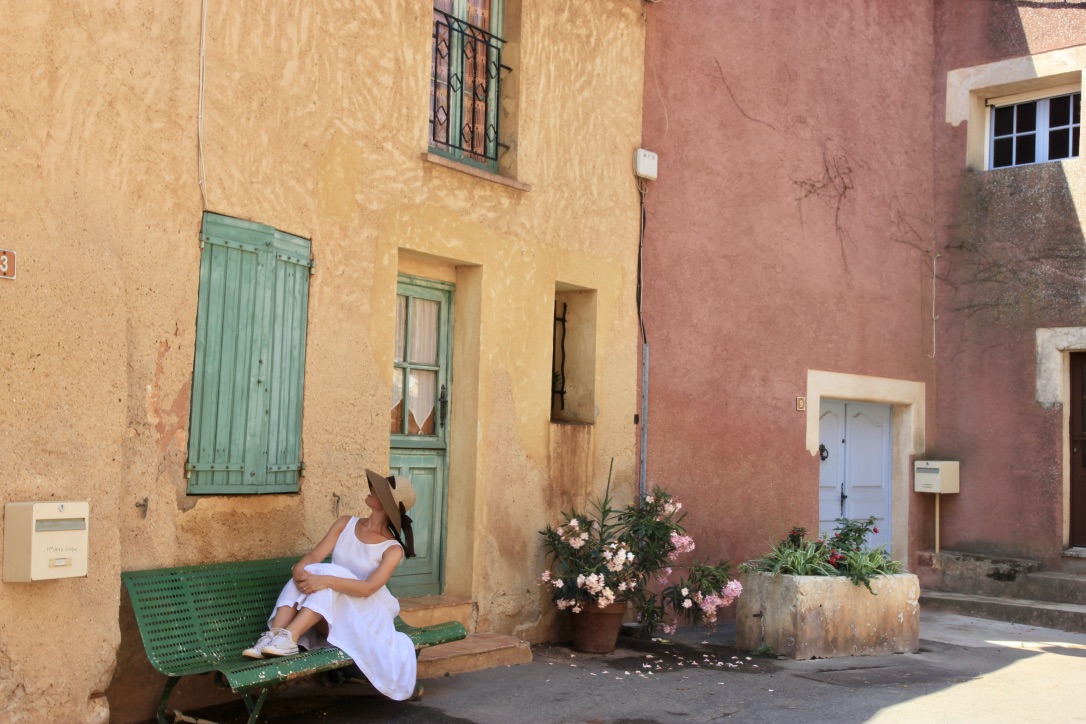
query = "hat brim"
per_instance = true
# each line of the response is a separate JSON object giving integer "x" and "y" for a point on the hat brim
{"x": 383, "y": 490}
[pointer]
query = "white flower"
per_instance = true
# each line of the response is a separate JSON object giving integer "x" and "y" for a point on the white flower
{"x": 686, "y": 591}
{"x": 546, "y": 576}
{"x": 687, "y": 603}
{"x": 558, "y": 583}
{"x": 649, "y": 499}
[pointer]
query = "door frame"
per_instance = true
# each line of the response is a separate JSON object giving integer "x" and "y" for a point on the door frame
{"x": 1053, "y": 355}
{"x": 908, "y": 405}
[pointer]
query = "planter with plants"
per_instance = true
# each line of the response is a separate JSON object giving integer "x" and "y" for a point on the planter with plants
{"x": 833, "y": 596}
{"x": 606, "y": 560}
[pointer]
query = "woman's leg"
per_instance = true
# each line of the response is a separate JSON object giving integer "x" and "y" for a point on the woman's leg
{"x": 283, "y": 616}
{"x": 301, "y": 622}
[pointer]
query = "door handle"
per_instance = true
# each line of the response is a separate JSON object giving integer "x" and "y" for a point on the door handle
{"x": 823, "y": 452}
{"x": 443, "y": 399}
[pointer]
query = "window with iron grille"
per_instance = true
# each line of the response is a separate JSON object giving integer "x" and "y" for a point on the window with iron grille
{"x": 1034, "y": 130}
{"x": 465, "y": 82}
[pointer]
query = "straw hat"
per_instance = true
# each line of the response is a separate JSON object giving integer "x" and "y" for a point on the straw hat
{"x": 396, "y": 494}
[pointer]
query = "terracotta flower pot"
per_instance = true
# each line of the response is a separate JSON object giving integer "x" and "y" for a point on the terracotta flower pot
{"x": 595, "y": 629}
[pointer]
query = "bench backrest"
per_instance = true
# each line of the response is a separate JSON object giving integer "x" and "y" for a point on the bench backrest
{"x": 193, "y": 616}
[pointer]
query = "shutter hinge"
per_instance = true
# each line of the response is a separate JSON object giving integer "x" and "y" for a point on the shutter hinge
{"x": 312, "y": 267}
{"x": 301, "y": 469}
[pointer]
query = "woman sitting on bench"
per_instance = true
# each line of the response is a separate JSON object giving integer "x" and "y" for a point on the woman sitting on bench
{"x": 345, "y": 603}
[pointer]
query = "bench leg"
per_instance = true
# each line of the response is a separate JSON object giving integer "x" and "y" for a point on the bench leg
{"x": 255, "y": 707}
{"x": 170, "y": 683}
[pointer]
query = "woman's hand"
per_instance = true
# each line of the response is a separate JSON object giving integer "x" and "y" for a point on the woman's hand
{"x": 300, "y": 575}
{"x": 312, "y": 584}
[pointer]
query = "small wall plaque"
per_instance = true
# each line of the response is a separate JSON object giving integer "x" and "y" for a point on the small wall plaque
{"x": 7, "y": 264}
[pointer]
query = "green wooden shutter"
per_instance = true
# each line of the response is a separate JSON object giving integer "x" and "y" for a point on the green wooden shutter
{"x": 246, "y": 419}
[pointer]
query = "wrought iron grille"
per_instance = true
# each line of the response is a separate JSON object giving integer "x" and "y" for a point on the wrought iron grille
{"x": 465, "y": 88}
{"x": 558, "y": 373}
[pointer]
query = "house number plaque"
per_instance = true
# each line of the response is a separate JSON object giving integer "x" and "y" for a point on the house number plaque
{"x": 7, "y": 264}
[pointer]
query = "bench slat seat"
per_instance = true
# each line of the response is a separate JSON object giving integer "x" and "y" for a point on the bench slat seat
{"x": 198, "y": 619}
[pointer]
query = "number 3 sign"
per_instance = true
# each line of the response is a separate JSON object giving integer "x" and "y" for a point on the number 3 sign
{"x": 7, "y": 264}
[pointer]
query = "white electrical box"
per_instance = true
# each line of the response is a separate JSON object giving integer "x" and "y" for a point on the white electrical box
{"x": 935, "y": 476}
{"x": 45, "y": 540}
{"x": 645, "y": 164}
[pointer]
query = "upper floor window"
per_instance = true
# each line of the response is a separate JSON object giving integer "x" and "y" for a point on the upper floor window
{"x": 465, "y": 80}
{"x": 1034, "y": 129}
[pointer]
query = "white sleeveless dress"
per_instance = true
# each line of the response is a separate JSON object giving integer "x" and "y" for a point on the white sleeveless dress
{"x": 362, "y": 626}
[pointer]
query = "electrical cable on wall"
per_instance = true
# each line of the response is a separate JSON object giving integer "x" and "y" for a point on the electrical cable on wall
{"x": 200, "y": 109}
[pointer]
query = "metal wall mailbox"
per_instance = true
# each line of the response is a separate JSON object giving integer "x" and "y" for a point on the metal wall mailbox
{"x": 45, "y": 540}
{"x": 935, "y": 476}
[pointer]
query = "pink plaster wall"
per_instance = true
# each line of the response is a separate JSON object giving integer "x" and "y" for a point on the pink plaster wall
{"x": 790, "y": 229}
{"x": 1012, "y": 260}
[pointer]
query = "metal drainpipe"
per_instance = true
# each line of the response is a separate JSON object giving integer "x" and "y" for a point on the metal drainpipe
{"x": 642, "y": 477}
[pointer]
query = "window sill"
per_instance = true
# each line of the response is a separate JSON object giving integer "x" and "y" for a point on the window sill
{"x": 476, "y": 172}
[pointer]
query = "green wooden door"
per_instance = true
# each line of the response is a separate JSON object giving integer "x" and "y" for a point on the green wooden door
{"x": 419, "y": 424}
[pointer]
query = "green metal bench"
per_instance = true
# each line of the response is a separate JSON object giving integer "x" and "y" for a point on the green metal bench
{"x": 198, "y": 620}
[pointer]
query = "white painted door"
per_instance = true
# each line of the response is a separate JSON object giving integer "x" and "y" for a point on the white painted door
{"x": 854, "y": 474}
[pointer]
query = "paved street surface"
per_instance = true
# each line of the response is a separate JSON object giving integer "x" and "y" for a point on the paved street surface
{"x": 968, "y": 670}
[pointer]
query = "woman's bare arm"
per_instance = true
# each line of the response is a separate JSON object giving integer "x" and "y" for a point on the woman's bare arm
{"x": 351, "y": 587}
{"x": 321, "y": 551}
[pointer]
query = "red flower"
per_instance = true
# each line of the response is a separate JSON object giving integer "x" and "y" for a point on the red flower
{"x": 874, "y": 530}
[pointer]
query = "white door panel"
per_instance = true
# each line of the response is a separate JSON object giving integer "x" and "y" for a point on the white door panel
{"x": 858, "y": 484}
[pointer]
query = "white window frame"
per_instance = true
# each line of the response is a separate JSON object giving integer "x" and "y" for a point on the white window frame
{"x": 991, "y": 104}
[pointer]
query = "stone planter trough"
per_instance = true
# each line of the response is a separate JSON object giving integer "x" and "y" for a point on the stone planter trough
{"x": 818, "y": 617}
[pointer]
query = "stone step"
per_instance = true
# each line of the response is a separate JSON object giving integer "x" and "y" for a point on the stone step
{"x": 478, "y": 651}
{"x": 428, "y": 610}
{"x": 1053, "y": 586}
{"x": 1073, "y": 560}
{"x": 1062, "y": 616}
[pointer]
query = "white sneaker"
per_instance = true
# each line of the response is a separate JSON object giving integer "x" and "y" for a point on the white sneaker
{"x": 253, "y": 652}
{"x": 282, "y": 645}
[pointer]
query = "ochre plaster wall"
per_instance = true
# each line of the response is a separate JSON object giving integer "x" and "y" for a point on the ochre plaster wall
{"x": 315, "y": 122}
{"x": 790, "y": 230}
{"x": 1013, "y": 261}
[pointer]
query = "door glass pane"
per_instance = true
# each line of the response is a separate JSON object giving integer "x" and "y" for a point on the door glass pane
{"x": 423, "y": 332}
{"x": 479, "y": 13}
{"x": 401, "y": 325}
{"x": 422, "y": 395}
{"x": 396, "y": 426}
{"x": 1003, "y": 155}
{"x": 1058, "y": 144}
{"x": 1025, "y": 149}
{"x": 1004, "y": 121}
{"x": 1059, "y": 111}
{"x": 1026, "y": 117}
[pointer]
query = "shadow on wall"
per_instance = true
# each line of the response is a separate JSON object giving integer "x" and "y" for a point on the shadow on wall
{"x": 1016, "y": 254}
